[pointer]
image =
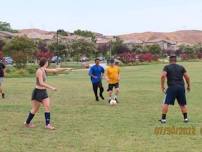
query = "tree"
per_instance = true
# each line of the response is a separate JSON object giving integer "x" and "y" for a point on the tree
{"x": 2, "y": 43}
{"x": 117, "y": 46}
{"x": 62, "y": 32}
{"x": 188, "y": 51}
{"x": 20, "y": 49}
{"x": 82, "y": 48}
{"x": 86, "y": 34}
{"x": 4, "y": 26}
{"x": 154, "y": 49}
{"x": 43, "y": 51}
{"x": 59, "y": 49}
{"x": 138, "y": 49}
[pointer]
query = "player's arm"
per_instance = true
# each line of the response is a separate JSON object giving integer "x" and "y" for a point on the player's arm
{"x": 106, "y": 75}
{"x": 103, "y": 73}
{"x": 163, "y": 78}
{"x": 39, "y": 75}
{"x": 119, "y": 77}
{"x": 187, "y": 79}
{"x": 56, "y": 70}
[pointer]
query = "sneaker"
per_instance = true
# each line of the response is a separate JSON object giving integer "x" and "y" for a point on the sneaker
{"x": 30, "y": 125}
{"x": 186, "y": 120}
{"x": 96, "y": 98}
{"x": 116, "y": 100}
{"x": 101, "y": 96}
{"x": 3, "y": 95}
{"x": 109, "y": 100}
{"x": 162, "y": 121}
{"x": 50, "y": 127}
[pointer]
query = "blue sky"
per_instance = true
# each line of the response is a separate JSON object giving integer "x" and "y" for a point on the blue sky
{"x": 110, "y": 17}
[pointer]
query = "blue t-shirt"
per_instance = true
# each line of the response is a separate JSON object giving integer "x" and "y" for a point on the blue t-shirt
{"x": 96, "y": 71}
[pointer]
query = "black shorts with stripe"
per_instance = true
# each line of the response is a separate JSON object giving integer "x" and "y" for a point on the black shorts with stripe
{"x": 39, "y": 94}
{"x": 111, "y": 86}
{"x": 175, "y": 92}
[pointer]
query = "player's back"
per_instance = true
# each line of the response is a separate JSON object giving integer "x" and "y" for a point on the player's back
{"x": 175, "y": 73}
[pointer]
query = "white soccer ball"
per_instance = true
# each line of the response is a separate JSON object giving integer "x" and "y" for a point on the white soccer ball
{"x": 113, "y": 102}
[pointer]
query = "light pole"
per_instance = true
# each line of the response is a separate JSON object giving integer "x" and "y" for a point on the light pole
{"x": 110, "y": 50}
{"x": 57, "y": 60}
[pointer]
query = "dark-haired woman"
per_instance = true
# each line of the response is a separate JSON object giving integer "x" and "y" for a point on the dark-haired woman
{"x": 40, "y": 96}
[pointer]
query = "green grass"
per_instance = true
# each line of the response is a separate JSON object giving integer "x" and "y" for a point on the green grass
{"x": 84, "y": 125}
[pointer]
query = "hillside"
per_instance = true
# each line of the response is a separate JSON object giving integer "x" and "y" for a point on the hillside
{"x": 184, "y": 36}
{"x": 189, "y": 36}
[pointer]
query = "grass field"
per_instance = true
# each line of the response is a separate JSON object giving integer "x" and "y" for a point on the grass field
{"x": 83, "y": 125}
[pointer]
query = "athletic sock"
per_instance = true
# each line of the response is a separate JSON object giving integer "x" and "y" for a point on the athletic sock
{"x": 29, "y": 118}
{"x": 47, "y": 118}
{"x": 115, "y": 97}
{"x": 185, "y": 115}
{"x": 163, "y": 116}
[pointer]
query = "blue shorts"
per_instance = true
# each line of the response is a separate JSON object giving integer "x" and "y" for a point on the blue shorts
{"x": 175, "y": 92}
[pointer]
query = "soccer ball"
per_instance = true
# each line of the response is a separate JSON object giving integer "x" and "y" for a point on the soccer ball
{"x": 113, "y": 102}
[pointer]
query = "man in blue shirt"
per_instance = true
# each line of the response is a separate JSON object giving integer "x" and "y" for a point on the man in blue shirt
{"x": 96, "y": 73}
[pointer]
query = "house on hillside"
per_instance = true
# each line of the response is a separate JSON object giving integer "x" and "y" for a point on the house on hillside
{"x": 164, "y": 44}
{"x": 131, "y": 43}
{"x": 5, "y": 35}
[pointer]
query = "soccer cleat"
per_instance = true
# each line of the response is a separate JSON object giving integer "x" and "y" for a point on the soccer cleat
{"x": 96, "y": 98}
{"x": 162, "y": 121}
{"x": 3, "y": 95}
{"x": 30, "y": 125}
{"x": 109, "y": 100}
{"x": 50, "y": 127}
{"x": 186, "y": 120}
{"x": 101, "y": 96}
{"x": 116, "y": 100}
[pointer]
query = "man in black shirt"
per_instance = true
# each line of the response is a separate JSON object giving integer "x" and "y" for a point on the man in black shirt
{"x": 2, "y": 72}
{"x": 176, "y": 87}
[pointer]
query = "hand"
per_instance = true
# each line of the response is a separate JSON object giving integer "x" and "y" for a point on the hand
{"x": 163, "y": 89}
{"x": 107, "y": 79}
{"x": 54, "y": 89}
{"x": 95, "y": 77}
{"x": 188, "y": 89}
{"x": 70, "y": 69}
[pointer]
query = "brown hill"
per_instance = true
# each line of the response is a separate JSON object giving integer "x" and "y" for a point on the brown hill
{"x": 189, "y": 36}
{"x": 186, "y": 36}
{"x": 36, "y": 34}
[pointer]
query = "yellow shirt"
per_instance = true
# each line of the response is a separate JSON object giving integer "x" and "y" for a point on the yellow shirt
{"x": 112, "y": 74}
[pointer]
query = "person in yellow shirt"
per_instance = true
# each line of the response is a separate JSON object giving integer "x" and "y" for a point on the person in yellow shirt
{"x": 113, "y": 77}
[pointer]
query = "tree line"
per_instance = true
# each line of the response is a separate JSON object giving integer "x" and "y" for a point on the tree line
{"x": 24, "y": 50}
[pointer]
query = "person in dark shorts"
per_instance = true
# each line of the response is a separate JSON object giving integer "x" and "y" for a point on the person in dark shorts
{"x": 2, "y": 74}
{"x": 40, "y": 96}
{"x": 175, "y": 75}
{"x": 96, "y": 73}
{"x": 113, "y": 78}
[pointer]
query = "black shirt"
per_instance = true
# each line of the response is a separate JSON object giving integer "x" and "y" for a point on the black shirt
{"x": 2, "y": 67}
{"x": 175, "y": 74}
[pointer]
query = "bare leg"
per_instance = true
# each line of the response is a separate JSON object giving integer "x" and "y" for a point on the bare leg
{"x": 165, "y": 108}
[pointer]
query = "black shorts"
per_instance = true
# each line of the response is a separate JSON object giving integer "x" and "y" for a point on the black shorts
{"x": 175, "y": 92}
{"x": 39, "y": 94}
{"x": 111, "y": 86}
